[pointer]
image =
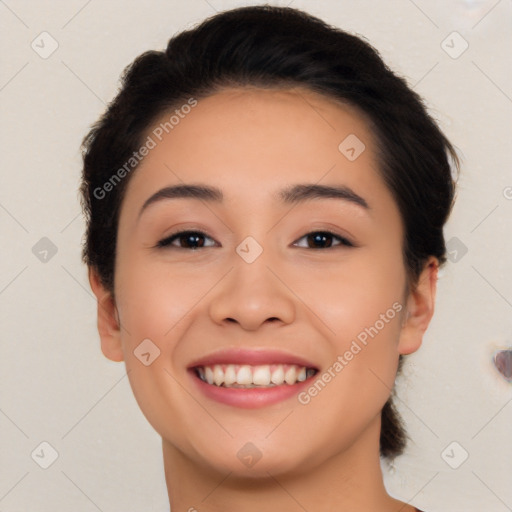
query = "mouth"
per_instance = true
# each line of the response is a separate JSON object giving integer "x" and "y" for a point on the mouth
{"x": 251, "y": 378}
{"x": 245, "y": 376}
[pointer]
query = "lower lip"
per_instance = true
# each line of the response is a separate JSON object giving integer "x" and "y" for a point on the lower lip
{"x": 250, "y": 398}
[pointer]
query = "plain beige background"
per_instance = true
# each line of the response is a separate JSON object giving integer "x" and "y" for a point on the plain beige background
{"x": 55, "y": 385}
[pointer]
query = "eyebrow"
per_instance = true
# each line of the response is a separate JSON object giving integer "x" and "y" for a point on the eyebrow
{"x": 290, "y": 195}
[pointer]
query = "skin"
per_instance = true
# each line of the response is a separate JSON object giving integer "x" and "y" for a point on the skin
{"x": 308, "y": 301}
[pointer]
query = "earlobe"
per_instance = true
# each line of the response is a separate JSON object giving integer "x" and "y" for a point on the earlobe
{"x": 108, "y": 319}
{"x": 420, "y": 309}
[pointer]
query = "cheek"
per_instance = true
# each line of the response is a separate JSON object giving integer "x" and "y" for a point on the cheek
{"x": 360, "y": 306}
{"x": 155, "y": 304}
{"x": 351, "y": 296}
{"x": 154, "y": 298}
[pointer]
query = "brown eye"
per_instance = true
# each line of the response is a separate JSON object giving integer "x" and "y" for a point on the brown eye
{"x": 194, "y": 240}
{"x": 323, "y": 240}
{"x": 186, "y": 240}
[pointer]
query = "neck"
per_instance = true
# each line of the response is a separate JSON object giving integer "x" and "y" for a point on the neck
{"x": 349, "y": 480}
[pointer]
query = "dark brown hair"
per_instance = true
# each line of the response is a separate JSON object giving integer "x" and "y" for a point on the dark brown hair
{"x": 267, "y": 46}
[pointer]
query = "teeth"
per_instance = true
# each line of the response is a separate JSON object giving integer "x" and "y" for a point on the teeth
{"x": 230, "y": 375}
{"x": 218, "y": 375}
{"x": 244, "y": 375}
{"x": 247, "y": 376}
{"x": 278, "y": 376}
{"x": 261, "y": 375}
{"x": 290, "y": 376}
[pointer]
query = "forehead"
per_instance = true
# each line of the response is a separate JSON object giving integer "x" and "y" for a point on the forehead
{"x": 251, "y": 142}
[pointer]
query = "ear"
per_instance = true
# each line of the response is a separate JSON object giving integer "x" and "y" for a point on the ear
{"x": 420, "y": 308}
{"x": 108, "y": 319}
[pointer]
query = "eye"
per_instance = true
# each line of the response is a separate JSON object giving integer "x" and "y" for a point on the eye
{"x": 324, "y": 238}
{"x": 192, "y": 239}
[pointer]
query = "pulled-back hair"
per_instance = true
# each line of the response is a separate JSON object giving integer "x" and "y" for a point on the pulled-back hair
{"x": 265, "y": 46}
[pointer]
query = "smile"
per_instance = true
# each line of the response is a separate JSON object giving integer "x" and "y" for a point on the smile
{"x": 251, "y": 378}
{"x": 247, "y": 376}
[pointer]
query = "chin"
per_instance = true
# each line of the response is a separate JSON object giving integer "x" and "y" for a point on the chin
{"x": 247, "y": 460}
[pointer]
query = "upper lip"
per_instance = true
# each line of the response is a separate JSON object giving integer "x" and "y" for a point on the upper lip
{"x": 251, "y": 357}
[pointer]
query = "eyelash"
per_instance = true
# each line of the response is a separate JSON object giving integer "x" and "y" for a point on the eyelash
{"x": 166, "y": 242}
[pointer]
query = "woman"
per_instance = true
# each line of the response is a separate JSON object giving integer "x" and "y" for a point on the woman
{"x": 265, "y": 203}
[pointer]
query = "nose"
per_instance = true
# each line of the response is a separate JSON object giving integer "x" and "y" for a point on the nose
{"x": 252, "y": 294}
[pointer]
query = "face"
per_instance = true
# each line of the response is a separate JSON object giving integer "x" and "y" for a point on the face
{"x": 289, "y": 306}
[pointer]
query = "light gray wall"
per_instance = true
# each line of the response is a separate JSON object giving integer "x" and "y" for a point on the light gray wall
{"x": 55, "y": 384}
